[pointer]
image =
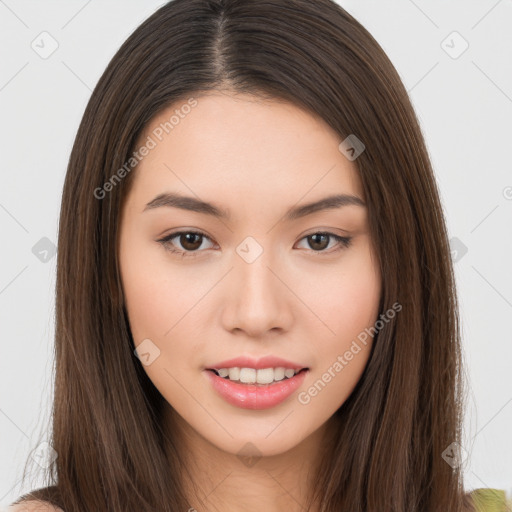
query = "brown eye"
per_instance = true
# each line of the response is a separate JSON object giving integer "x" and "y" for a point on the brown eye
{"x": 318, "y": 241}
{"x": 190, "y": 241}
{"x": 184, "y": 243}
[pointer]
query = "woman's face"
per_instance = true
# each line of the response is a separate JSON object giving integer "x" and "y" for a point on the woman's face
{"x": 252, "y": 276}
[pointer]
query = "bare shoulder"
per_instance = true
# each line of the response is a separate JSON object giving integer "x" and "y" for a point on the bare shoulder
{"x": 33, "y": 506}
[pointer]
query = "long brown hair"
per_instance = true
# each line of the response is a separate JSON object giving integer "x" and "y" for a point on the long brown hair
{"x": 407, "y": 408}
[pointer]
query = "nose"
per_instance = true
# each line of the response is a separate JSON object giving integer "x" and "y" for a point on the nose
{"x": 257, "y": 300}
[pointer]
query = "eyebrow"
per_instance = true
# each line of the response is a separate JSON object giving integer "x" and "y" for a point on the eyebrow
{"x": 193, "y": 204}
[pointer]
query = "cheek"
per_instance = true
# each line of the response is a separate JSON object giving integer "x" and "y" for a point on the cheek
{"x": 157, "y": 312}
{"x": 161, "y": 306}
{"x": 349, "y": 307}
{"x": 148, "y": 297}
{"x": 156, "y": 295}
{"x": 347, "y": 298}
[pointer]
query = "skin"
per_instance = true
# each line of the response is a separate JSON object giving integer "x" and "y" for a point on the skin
{"x": 298, "y": 300}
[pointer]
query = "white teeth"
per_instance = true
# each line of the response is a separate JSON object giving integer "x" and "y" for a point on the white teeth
{"x": 265, "y": 376}
{"x": 289, "y": 372}
{"x": 260, "y": 376}
{"x": 234, "y": 373}
{"x": 278, "y": 373}
{"x": 248, "y": 375}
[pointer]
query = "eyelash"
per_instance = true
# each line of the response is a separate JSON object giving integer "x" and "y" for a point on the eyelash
{"x": 342, "y": 240}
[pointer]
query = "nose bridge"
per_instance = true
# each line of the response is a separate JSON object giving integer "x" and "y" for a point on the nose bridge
{"x": 257, "y": 301}
{"x": 252, "y": 269}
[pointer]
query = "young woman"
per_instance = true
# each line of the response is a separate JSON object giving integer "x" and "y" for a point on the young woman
{"x": 255, "y": 303}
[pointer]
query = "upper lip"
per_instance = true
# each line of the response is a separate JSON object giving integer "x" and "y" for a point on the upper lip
{"x": 263, "y": 362}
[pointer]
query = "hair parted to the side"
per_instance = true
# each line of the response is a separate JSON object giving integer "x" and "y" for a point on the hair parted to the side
{"x": 407, "y": 407}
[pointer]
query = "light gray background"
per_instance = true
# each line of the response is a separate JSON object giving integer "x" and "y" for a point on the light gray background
{"x": 465, "y": 109}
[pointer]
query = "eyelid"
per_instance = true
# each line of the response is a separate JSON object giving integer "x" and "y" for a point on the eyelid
{"x": 165, "y": 241}
{"x": 343, "y": 241}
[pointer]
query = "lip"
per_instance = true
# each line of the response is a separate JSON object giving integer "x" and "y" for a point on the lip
{"x": 257, "y": 364}
{"x": 255, "y": 396}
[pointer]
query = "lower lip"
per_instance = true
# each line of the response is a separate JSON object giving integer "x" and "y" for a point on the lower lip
{"x": 255, "y": 396}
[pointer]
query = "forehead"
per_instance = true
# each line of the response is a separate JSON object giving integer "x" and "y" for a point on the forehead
{"x": 237, "y": 145}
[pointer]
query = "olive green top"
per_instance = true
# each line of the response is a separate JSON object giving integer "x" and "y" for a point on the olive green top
{"x": 491, "y": 500}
